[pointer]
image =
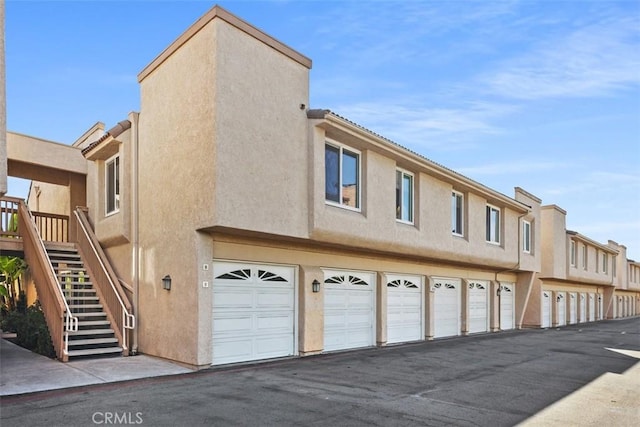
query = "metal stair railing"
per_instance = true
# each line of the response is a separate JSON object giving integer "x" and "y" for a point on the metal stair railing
{"x": 117, "y": 305}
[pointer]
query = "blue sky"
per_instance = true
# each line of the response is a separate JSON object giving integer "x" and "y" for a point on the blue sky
{"x": 544, "y": 95}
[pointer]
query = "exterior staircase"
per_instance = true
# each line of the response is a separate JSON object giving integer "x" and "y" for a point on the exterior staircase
{"x": 95, "y": 335}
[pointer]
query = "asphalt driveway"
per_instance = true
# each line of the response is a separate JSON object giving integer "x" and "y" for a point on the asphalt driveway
{"x": 488, "y": 380}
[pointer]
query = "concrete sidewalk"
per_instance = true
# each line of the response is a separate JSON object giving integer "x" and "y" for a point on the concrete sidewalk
{"x": 610, "y": 400}
{"x": 22, "y": 371}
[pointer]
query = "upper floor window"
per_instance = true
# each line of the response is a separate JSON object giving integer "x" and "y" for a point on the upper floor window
{"x": 342, "y": 176}
{"x": 493, "y": 224}
{"x": 404, "y": 196}
{"x": 457, "y": 213}
{"x": 605, "y": 262}
{"x": 572, "y": 253}
{"x": 526, "y": 237}
{"x": 112, "y": 185}
{"x": 584, "y": 257}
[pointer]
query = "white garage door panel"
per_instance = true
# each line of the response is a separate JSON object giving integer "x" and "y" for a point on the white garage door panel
{"x": 232, "y": 350}
{"x": 446, "y": 307}
{"x": 232, "y": 299}
{"x": 573, "y": 310}
{"x": 507, "y": 314}
{"x": 348, "y": 310}
{"x": 274, "y": 298}
{"x": 404, "y": 308}
{"x": 561, "y": 306}
{"x": 231, "y": 325}
{"x": 253, "y": 312}
{"x": 546, "y": 309}
{"x": 272, "y": 346}
{"x": 478, "y": 307}
{"x": 273, "y": 323}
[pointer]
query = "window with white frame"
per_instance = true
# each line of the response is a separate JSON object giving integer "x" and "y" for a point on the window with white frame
{"x": 457, "y": 213}
{"x": 342, "y": 175}
{"x": 112, "y": 185}
{"x": 572, "y": 253}
{"x": 493, "y": 224}
{"x": 526, "y": 237}
{"x": 605, "y": 262}
{"x": 404, "y": 196}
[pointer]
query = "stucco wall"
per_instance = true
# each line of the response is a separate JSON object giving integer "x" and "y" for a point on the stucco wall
{"x": 48, "y": 198}
{"x": 176, "y": 193}
{"x": 375, "y": 225}
{"x": 260, "y": 128}
{"x": 554, "y": 242}
{"x": 221, "y": 144}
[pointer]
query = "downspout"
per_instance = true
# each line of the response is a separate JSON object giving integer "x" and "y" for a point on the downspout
{"x": 136, "y": 235}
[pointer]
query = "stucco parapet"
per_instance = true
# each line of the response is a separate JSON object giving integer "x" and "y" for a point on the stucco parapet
{"x": 577, "y": 236}
{"x": 554, "y": 207}
{"x": 97, "y": 127}
{"x": 527, "y": 194}
{"x": 46, "y": 153}
{"x": 332, "y": 121}
{"x": 218, "y": 12}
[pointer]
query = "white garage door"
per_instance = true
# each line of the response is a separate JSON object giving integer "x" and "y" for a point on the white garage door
{"x": 478, "y": 306}
{"x": 404, "y": 308}
{"x": 583, "y": 308}
{"x": 592, "y": 307}
{"x": 507, "y": 300}
{"x": 253, "y": 312}
{"x": 546, "y": 309}
{"x": 348, "y": 309}
{"x": 446, "y": 307}
{"x": 573, "y": 308}
{"x": 561, "y": 308}
{"x": 600, "y": 307}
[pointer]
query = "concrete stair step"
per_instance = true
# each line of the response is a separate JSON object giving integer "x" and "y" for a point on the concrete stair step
{"x": 92, "y": 341}
{"x": 80, "y": 332}
{"x": 90, "y": 314}
{"x": 82, "y": 298}
{"x": 85, "y": 306}
{"x": 90, "y": 323}
{"x": 95, "y": 351}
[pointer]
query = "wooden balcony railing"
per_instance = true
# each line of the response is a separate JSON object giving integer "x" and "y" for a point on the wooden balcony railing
{"x": 9, "y": 217}
{"x": 52, "y": 227}
{"x": 106, "y": 283}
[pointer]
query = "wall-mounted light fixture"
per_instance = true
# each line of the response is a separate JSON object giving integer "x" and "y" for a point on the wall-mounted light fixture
{"x": 166, "y": 282}
{"x": 315, "y": 286}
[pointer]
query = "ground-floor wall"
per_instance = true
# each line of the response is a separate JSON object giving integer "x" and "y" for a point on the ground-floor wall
{"x": 626, "y": 303}
{"x": 557, "y": 303}
{"x": 342, "y": 299}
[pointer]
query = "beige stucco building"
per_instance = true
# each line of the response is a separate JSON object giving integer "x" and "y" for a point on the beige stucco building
{"x": 243, "y": 225}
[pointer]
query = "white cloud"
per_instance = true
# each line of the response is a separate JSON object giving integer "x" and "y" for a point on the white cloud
{"x": 510, "y": 168}
{"x": 419, "y": 126}
{"x": 593, "y": 60}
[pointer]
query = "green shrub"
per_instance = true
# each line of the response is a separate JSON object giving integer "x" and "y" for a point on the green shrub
{"x": 30, "y": 327}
